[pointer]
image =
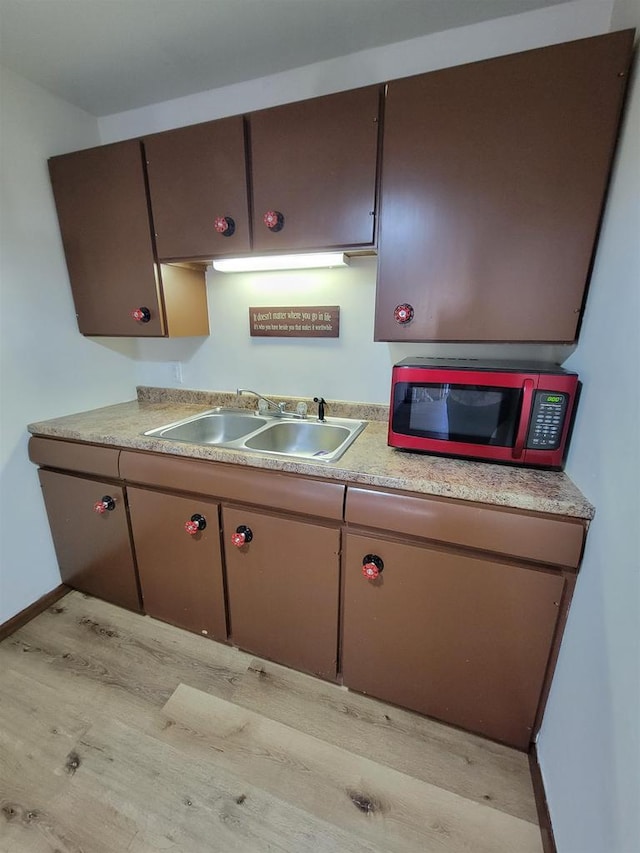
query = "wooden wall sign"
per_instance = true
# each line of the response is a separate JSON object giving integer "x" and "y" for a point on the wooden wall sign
{"x": 307, "y": 321}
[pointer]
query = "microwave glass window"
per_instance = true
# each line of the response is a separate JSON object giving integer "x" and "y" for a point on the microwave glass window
{"x": 473, "y": 414}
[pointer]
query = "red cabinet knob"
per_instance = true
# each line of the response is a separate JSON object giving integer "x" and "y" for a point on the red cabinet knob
{"x": 403, "y": 313}
{"x": 372, "y": 565}
{"x": 105, "y": 504}
{"x": 141, "y": 315}
{"x": 224, "y": 225}
{"x": 196, "y": 523}
{"x": 242, "y": 536}
{"x": 274, "y": 220}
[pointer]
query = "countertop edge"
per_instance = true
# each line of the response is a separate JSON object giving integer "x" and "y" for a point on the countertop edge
{"x": 368, "y": 462}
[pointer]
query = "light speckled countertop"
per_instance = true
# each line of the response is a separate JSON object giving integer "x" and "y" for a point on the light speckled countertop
{"x": 369, "y": 461}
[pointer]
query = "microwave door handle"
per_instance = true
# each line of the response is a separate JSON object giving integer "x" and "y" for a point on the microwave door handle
{"x": 525, "y": 417}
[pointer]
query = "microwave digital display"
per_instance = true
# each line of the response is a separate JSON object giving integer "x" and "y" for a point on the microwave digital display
{"x": 478, "y": 414}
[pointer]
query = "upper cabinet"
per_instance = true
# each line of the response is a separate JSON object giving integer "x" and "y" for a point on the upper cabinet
{"x": 313, "y": 168}
{"x": 198, "y": 188}
{"x": 118, "y": 288}
{"x": 493, "y": 180}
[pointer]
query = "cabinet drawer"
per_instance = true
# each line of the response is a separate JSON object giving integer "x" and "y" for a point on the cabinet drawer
{"x": 86, "y": 458}
{"x": 235, "y": 483}
{"x": 504, "y": 531}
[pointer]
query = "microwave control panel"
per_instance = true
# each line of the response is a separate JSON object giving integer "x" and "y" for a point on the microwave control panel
{"x": 547, "y": 420}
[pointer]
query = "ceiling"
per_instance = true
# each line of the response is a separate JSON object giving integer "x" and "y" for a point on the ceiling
{"x": 108, "y": 56}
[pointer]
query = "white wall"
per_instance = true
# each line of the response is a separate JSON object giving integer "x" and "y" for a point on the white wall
{"x": 589, "y": 746}
{"x": 352, "y": 367}
{"x": 47, "y": 367}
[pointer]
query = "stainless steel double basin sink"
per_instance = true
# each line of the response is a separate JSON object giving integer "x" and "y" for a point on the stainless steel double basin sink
{"x": 238, "y": 429}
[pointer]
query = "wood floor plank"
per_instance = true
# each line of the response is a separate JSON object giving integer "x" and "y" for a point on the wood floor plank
{"x": 461, "y": 762}
{"x": 271, "y": 773}
{"x": 183, "y": 802}
{"x": 73, "y": 822}
{"x": 108, "y": 645}
{"x": 38, "y": 732}
{"x": 155, "y": 797}
{"x": 76, "y": 680}
{"x": 36, "y": 742}
{"x": 140, "y": 641}
{"x": 398, "y": 812}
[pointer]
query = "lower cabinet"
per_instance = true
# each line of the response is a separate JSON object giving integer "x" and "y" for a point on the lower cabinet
{"x": 177, "y": 542}
{"x": 461, "y": 638}
{"x": 88, "y": 521}
{"x": 283, "y": 584}
{"x": 452, "y": 609}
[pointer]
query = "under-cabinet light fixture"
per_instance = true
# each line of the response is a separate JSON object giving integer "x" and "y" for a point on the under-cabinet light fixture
{"x": 282, "y": 262}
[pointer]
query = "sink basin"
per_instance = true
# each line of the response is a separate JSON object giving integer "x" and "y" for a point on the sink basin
{"x": 237, "y": 429}
{"x": 300, "y": 438}
{"x": 217, "y": 427}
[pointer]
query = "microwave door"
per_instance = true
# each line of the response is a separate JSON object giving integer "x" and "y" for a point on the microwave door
{"x": 484, "y": 416}
{"x": 470, "y": 415}
{"x": 428, "y": 412}
{"x": 479, "y": 415}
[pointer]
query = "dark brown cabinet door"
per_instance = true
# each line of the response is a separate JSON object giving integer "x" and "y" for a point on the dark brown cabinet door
{"x": 93, "y": 548}
{"x": 198, "y": 187}
{"x": 493, "y": 180}
{"x": 463, "y": 639}
{"x": 102, "y": 208}
{"x": 180, "y": 572}
{"x": 314, "y": 164}
{"x": 283, "y": 589}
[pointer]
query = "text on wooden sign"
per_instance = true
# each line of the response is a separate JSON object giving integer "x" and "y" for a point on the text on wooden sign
{"x": 307, "y": 321}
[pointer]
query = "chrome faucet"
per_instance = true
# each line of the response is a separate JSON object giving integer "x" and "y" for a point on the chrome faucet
{"x": 278, "y": 408}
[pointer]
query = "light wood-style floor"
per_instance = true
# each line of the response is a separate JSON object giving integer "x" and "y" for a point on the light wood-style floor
{"x": 120, "y": 733}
